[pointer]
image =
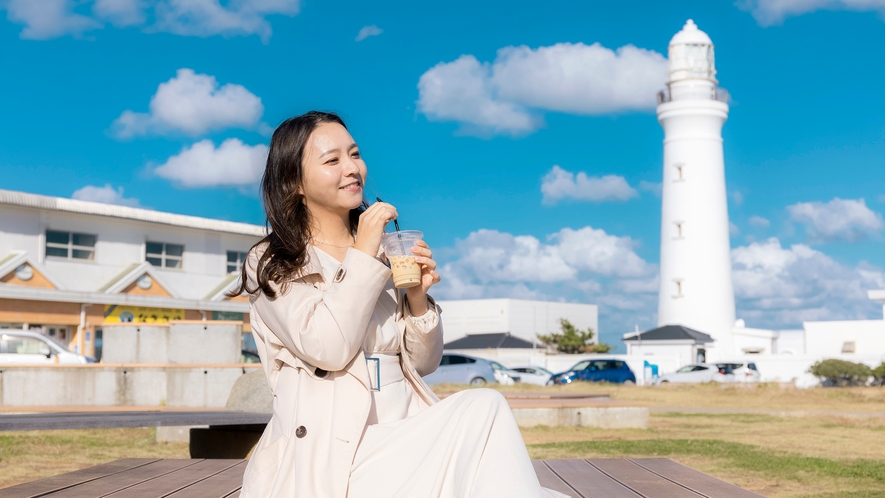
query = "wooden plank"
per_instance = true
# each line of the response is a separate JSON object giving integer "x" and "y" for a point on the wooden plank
{"x": 125, "y": 479}
{"x": 176, "y": 480}
{"x": 588, "y": 481}
{"x": 639, "y": 479}
{"x": 220, "y": 485}
{"x": 47, "y": 485}
{"x": 117, "y": 419}
{"x": 550, "y": 480}
{"x": 693, "y": 479}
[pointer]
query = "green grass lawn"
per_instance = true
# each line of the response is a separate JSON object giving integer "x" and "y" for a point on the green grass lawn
{"x": 815, "y": 452}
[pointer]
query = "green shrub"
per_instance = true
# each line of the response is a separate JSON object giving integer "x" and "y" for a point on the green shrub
{"x": 841, "y": 372}
{"x": 572, "y": 340}
{"x": 879, "y": 374}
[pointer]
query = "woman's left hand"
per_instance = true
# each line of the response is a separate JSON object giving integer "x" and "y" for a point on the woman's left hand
{"x": 417, "y": 295}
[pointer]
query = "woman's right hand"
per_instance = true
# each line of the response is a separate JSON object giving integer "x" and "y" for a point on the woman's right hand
{"x": 371, "y": 227}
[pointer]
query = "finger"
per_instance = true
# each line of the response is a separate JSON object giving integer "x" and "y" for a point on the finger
{"x": 421, "y": 251}
{"x": 426, "y": 262}
{"x": 421, "y": 243}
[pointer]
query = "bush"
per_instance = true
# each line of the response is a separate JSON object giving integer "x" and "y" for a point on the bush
{"x": 879, "y": 374}
{"x": 841, "y": 372}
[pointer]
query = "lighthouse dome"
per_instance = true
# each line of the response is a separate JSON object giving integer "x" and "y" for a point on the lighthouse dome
{"x": 690, "y": 35}
{"x": 690, "y": 55}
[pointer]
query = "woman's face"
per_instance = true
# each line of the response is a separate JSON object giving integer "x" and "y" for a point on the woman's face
{"x": 334, "y": 172}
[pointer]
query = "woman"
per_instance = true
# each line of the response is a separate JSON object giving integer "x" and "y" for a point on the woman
{"x": 324, "y": 309}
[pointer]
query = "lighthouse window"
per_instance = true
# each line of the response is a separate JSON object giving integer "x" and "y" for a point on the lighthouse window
{"x": 678, "y": 167}
{"x": 678, "y": 230}
{"x": 678, "y": 284}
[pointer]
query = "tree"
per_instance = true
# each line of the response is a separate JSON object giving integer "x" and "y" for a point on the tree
{"x": 841, "y": 372}
{"x": 570, "y": 340}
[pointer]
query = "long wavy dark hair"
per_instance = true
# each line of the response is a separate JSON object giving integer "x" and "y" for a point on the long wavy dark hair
{"x": 288, "y": 219}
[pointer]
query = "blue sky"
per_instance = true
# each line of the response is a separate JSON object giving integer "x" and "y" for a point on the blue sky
{"x": 460, "y": 134}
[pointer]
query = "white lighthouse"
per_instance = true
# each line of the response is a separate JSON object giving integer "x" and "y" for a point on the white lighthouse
{"x": 696, "y": 289}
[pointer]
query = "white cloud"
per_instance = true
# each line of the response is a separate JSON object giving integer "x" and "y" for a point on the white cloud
{"x": 192, "y": 104}
{"x": 771, "y": 12}
{"x": 560, "y": 184}
{"x": 202, "y": 165}
{"x": 733, "y": 229}
{"x": 45, "y": 19}
{"x": 368, "y": 31}
{"x": 776, "y": 286}
{"x": 839, "y": 219}
{"x": 737, "y": 197}
{"x": 106, "y": 195}
{"x": 758, "y": 221}
{"x": 566, "y": 77}
{"x": 584, "y": 265}
{"x": 461, "y": 91}
{"x": 120, "y": 13}
{"x": 655, "y": 188}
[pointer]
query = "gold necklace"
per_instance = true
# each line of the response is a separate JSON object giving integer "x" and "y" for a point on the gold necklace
{"x": 333, "y": 245}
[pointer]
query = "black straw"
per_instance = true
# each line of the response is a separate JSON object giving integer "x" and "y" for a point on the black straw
{"x": 395, "y": 223}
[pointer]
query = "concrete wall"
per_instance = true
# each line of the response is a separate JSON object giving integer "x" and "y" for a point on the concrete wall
{"x": 128, "y": 385}
{"x": 175, "y": 342}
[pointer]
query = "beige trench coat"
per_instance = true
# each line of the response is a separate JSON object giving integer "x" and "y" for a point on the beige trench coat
{"x": 310, "y": 343}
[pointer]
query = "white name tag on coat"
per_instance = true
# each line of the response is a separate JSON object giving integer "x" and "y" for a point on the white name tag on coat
{"x": 374, "y": 366}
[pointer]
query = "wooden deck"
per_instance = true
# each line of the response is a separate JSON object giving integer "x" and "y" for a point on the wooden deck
{"x": 155, "y": 478}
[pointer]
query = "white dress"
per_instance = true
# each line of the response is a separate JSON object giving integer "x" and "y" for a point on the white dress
{"x": 466, "y": 446}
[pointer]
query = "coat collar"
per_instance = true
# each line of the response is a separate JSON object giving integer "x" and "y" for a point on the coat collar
{"x": 311, "y": 267}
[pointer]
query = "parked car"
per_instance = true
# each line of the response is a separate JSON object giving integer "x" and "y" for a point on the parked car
{"x": 462, "y": 369}
{"x": 21, "y": 347}
{"x": 247, "y": 356}
{"x": 505, "y": 375}
{"x": 713, "y": 372}
{"x": 534, "y": 375}
{"x": 614, "y": 371}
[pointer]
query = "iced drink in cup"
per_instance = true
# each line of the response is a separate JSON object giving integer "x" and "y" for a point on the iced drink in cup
{"x": 398, "y": 248}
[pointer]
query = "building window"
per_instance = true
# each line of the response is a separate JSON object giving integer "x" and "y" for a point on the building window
{"x": 69, "y": 245}
{"x": 235, "y": 261}
{"x": 164, "y": 255}
{"x": 848, "y": 347}
{"x": 679, "y": 167}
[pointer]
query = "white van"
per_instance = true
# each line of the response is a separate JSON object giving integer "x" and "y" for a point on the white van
{"x": 20, "y": 347}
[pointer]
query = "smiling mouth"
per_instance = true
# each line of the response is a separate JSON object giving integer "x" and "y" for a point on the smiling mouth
{"x": 349, "y": 186}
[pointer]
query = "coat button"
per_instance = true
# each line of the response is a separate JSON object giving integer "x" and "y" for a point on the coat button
{"x": 300, "y": 432}
{"x": 339, "y": 276}
{"x": 321, "y": 373}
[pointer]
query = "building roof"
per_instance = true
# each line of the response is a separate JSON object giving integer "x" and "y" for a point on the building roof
{"x": 23, "y": 199}
{"x": 490, "y": 341}
{"x": 671, "y": 333}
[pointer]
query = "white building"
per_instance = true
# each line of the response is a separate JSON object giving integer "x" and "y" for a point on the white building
{"x": 520, "y": 318}
{"x": 695, "y": 286}
{"x": 67, "y": 267}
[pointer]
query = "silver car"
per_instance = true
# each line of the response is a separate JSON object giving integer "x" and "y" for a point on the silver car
{"x": 534, "y": 375}
{"x": 20, "y": 347}
{"x": 462, "y": 369}
{"x": 734, "y": 371}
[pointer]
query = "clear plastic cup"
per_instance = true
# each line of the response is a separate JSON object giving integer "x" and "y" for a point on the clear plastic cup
{"x": 398, "y": 249}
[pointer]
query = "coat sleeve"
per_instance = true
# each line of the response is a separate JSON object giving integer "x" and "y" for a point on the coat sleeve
{"x": 423, "y": 337}
{"x": 324, "y": 328}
